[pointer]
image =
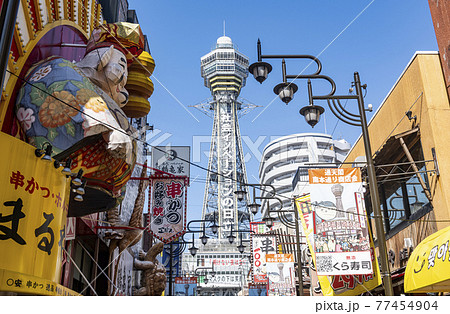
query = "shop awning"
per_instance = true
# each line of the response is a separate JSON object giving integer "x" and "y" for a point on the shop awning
{"x": 428, "y": 268}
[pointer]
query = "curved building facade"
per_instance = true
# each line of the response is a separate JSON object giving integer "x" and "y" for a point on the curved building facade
{"x": 282, "y": 157}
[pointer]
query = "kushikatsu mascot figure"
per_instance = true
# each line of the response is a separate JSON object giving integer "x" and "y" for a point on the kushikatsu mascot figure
{"x": 76, "y": 108}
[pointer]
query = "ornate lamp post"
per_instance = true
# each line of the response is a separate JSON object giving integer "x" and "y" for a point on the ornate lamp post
{"x": 183, "y": 244}
{"x": 269, "y": 220}
{"x": 312, "y": 114}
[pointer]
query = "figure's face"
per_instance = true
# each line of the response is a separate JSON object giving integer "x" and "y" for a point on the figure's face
{"x": 116, "y": 73}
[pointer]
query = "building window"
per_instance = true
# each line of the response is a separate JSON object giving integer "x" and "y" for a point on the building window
{"x": 402, "y": 197}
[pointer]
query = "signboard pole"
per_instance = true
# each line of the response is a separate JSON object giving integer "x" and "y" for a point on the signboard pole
{"x": 299, "y": 256}
{"x": 170, "y": 269}
{"x": 375, "y": 198}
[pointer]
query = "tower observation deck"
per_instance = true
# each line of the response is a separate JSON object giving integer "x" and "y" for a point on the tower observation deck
{"x": 224, "y": 70}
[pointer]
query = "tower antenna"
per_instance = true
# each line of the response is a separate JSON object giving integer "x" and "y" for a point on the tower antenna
{"x": 223, "y": 27}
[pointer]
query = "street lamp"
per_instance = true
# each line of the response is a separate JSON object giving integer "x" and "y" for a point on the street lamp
{"x": 254, "y": 207}
{"x": 193, "y": 250}
{"x": 214, "y": 227}
{"x": 269, "y": 220}
{"x": 204, "y": 237}
{"x": 205, "y": 272}
{"x": 312, "y": 115}
{"x": 231, "y": 236}
{"x": 241, "y": 246}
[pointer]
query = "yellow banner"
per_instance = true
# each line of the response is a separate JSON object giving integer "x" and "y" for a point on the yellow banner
{"x": 33, "y": 209}
{"x": 428, "y": 268}
{"x": 26, "y": 284}
{"x": 342, "y": 285}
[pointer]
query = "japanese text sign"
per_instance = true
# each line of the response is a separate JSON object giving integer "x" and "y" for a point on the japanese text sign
{"x": 185, "y": 286}
{"x": 342, "y": 243}
{"x": 280, "y": 274}
{"x": 257, "y": 290}
{"x": 343, "y": 285}
{"x": 33, "y": 211}
{"x": 172, "y": 159}
{"x": 258, "y": 227}
{"x": 428, "y": 268}
{"x": 262, "y": 244}
{"x": 124, "y": 279}
{"x": 168, "y": 208}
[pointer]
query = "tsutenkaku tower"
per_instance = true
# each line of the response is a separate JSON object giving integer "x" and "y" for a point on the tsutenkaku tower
{"x": 224, "y": 70}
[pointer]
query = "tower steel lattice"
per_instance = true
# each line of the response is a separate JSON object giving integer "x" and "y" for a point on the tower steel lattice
{"x": 224, "y": 70}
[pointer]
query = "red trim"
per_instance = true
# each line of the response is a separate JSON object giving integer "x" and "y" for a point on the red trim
{"x": 397, "y": 275}
{"x": 33, "y": 15}
{"x": 182, "y": 232}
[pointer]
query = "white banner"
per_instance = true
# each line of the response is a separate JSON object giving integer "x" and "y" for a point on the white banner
{"x": 342, "y": 242}
{"x": 281, "y": 275}
{"x": 168, "y": 208}
{"x": 262, "y": 244}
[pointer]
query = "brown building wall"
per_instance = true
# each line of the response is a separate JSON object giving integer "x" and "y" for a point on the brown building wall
{"x": 440, "y": 13}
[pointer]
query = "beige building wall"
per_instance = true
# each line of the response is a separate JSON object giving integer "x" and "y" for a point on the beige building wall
{"x": 421, "y": 89}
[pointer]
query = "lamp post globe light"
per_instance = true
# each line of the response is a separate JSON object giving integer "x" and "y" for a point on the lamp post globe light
{"x": 312, "y": 114}
{"x": 269, "y": 220}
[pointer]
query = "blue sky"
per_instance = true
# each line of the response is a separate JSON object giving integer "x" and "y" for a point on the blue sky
{"x": 376, "y": 38}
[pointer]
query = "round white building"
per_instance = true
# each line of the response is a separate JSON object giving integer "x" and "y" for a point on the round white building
{"x": 282, "y": 158}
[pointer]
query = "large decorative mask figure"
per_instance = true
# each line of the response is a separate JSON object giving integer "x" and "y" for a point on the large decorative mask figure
{"x": 76, "y": 107}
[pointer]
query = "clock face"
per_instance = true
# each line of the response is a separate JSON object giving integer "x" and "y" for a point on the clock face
{"x": 325, "y": 213}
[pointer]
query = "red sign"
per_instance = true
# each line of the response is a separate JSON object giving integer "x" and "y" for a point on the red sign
{"x": 184, "y": 280}
{"x": 168, "y": 195}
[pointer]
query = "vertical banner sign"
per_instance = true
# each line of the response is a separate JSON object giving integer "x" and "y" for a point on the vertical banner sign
{"x": 227, "y": 167}
{"x": 33, "y": 210}
{"x": 124, "y": 281}
{"x": 168, "y": 207}
{"x": 280, "y": 274}
{"x": 342, "y": 285}
{"x": 342, "y": 245}
{"x": 262, "y": 244}
{"x": 176, "y": 265}
{"x": 185, "y": 286}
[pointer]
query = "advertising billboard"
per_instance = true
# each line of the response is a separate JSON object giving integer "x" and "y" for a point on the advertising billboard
{"x": 341, "y": 241}
{"x": 168, "y": 207}
{"x": 185, "y": 286}
{"x": 343, "y": 285}
{"x": 262, "y": 244}
{"x": 280, "y": 275}
{"x": 33, "y": 214}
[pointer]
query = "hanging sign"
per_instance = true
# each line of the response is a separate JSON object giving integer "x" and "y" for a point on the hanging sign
{"x": 342, "y": 244}
{"x": 172, "y": 159}
{"x": 167, "y": 219}
{"x": 280, "y": 274}
{"x": 257, "y": 290}
{"x": 262, "y": 244}
{"x": 342, "y": 285}
{"x": 185, "y": 286}
{"x": 33, "y": 211}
